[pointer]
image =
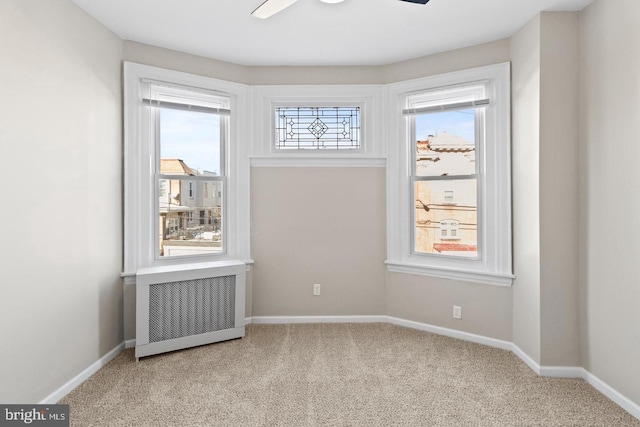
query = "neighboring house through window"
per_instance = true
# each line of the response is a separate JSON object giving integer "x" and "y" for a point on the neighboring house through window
{"x": 449, "y": 229}
{"x": 448, "y": 197}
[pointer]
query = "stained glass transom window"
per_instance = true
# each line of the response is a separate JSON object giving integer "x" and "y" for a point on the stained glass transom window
{"x": 317, "y": 128}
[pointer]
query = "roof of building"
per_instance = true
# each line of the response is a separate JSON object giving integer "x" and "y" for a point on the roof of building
{"x": 446, "y": 143}
{"x": 175, "y": 167}
{"x": 454, "y": 247}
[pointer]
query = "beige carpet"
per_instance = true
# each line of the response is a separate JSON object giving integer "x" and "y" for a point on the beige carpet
{"x": 336, "y": 375}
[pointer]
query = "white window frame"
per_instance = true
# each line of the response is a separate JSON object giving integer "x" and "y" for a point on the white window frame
{"x": 139, "y": 155}
{"x": 494, "y": 264}
{"x": 369, "y": 98}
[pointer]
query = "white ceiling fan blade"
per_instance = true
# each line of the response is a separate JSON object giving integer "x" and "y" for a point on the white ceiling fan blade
{"x": 270, "y": 7}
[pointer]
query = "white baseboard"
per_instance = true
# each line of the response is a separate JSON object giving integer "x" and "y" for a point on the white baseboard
{"x": 578, "y": 372}
{"x": 82, "y": 376}
{"x": 535, "y": 367}
{"x": 548, "y": 371}
{"x": 561, "y": 372}
{"x": 604, "y": 388}
{"x": 130, "y": 343}
{"x": 466, "y": 336}
{"x": 381, "y": 319}
{"x": 317, "y": 319}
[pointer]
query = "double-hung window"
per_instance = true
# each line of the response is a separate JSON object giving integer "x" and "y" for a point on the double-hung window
{"x": 188, "y": 131}
{"x": 183, "y": 169}
{"x": 449, "y": 178}
{"x": 447, "y": 125}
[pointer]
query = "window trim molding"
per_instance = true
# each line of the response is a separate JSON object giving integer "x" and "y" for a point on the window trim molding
{"x": 138, "y": 171}
{"x": 451, "y": 273}
{"x": 368, "y": 97}
{"x": 495, "y": 265}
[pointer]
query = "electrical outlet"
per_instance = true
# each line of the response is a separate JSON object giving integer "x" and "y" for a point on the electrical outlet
{"x": 457, "y": 312}
{"x": 316, "y": 289}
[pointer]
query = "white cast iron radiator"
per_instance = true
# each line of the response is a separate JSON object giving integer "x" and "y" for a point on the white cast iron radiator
{"x": 185, "y": 306}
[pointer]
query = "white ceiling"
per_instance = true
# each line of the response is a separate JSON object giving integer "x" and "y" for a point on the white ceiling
{"x": 310, "y": 32}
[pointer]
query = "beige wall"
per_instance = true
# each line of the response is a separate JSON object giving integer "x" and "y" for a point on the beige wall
{"x": 559, "y": 180}
{"x": 610, "y": 201}
{"x": 545, "y": 181}
{"x": 174, "y": 60}
{"x": 61, "y": 143}
{"x": 486, "y": 309}
{"x": 525, "y": 122}
{"x": 315, "y": 75}
{"x": 179, "y": 61}
{"x": 318, "y": 225}
{"x": 459, "y": 59}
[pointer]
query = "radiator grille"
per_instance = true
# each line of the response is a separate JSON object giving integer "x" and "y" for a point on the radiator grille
{"x": 191, "y": 307}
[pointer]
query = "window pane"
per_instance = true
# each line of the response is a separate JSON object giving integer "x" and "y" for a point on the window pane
{"x": 442, "y": 227}
{"x": 191, "y": 137}
{"x": 317, "y": 128}
{"x": 190, "y": 217}
{"x": 446, "y": 143}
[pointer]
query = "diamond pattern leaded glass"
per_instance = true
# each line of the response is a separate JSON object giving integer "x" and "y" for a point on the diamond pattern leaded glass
{"x": 318, "y": 128}
{"x": 328, "y": 128}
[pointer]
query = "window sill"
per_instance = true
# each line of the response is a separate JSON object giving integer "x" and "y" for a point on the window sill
{"x": 128, "y": 275}
{"x": 494, "y": 279}
{"x": 317, "y": 161}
